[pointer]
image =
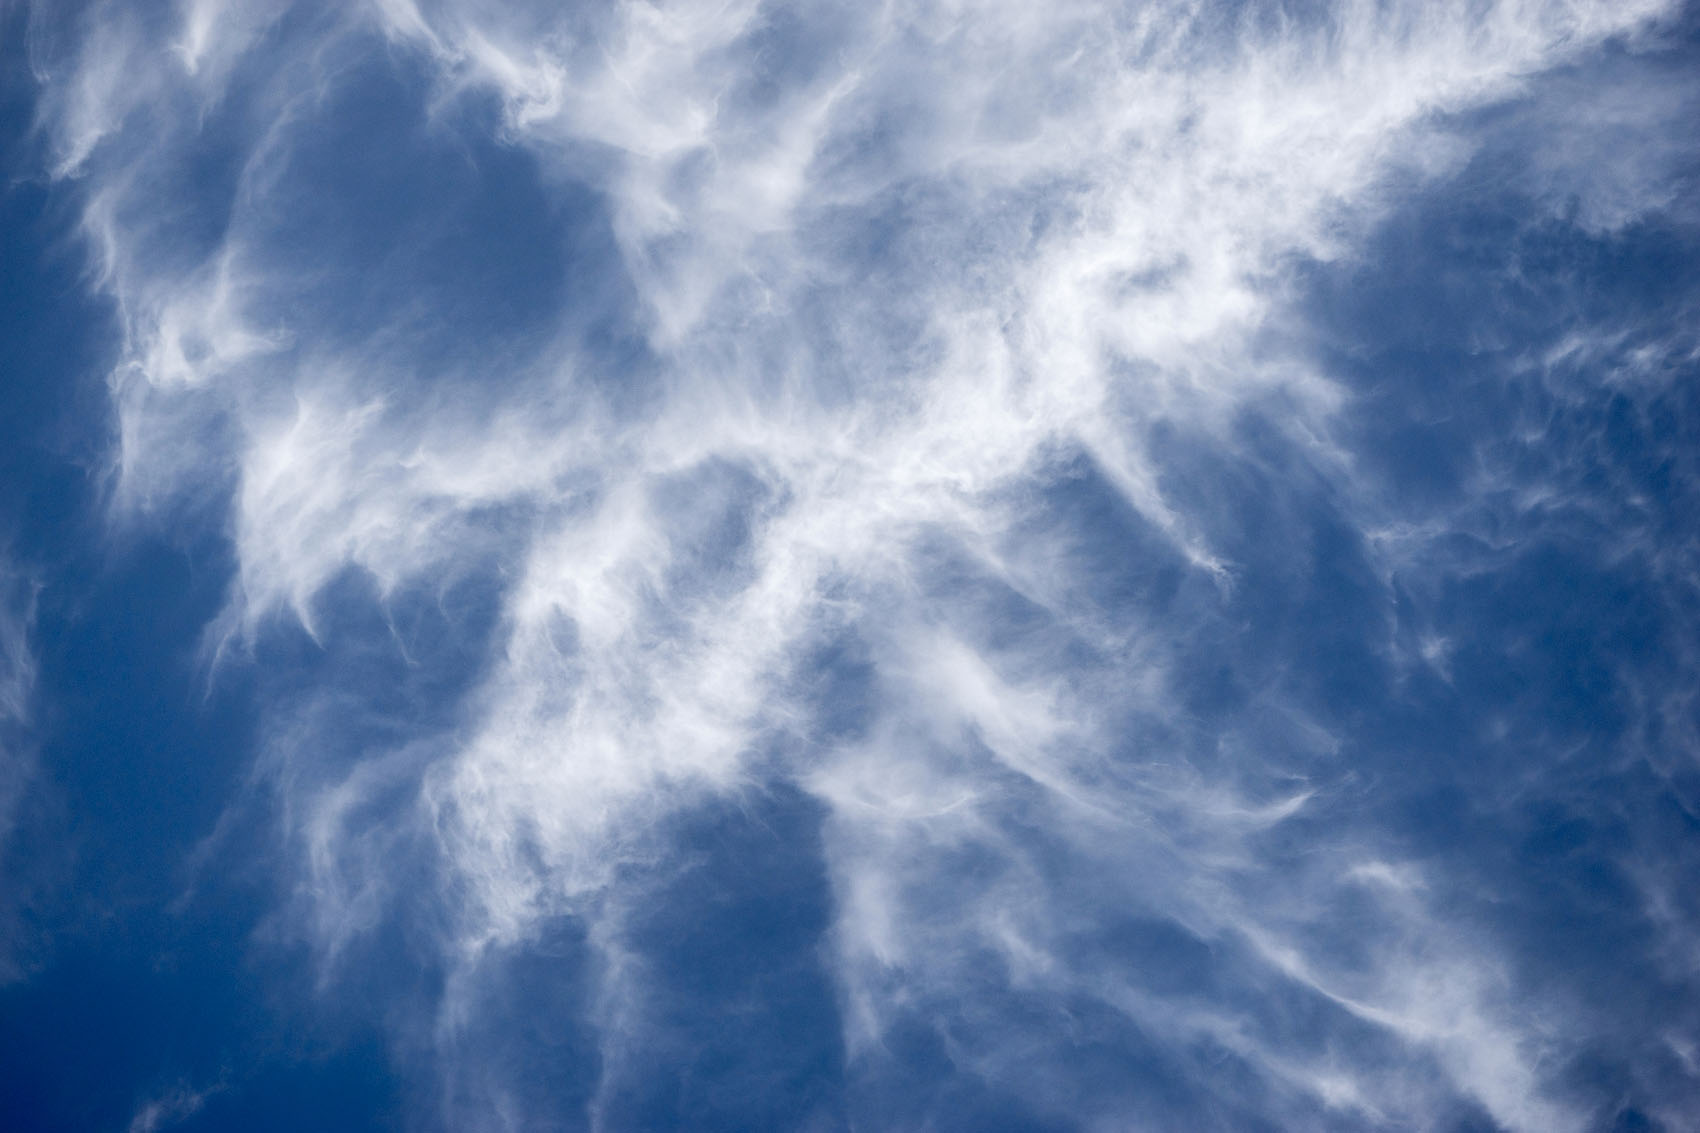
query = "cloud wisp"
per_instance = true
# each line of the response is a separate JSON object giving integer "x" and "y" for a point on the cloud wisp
{"x": 941, "y": 436}
{"x": 18, "y": 764}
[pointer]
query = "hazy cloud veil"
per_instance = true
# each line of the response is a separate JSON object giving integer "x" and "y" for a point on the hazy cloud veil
{"x": 953, "y": 564}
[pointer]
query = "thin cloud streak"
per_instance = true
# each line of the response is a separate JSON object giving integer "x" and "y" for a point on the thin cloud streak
{"x": 19, "y": 766}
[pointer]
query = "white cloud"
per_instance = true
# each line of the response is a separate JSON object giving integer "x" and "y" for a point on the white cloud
{"x": 893, "y": 265}
{"x": 171, "y": 1108}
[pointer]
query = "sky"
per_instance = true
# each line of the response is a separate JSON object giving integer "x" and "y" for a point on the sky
{"x": 932, "y": 565}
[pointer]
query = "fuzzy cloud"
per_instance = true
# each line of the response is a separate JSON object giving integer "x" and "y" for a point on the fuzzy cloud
{"x": 836, "y": 441}
{"x": 18, "y": 765}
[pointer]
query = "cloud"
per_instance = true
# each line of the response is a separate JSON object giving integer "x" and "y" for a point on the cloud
{"x": 912, "y": 407}
{"x": 18, "y": 684}
{"x": 169, "y": 1109}
{"x": 18, "y": 762}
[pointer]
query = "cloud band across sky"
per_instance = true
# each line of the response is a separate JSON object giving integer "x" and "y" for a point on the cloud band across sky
{"x": 937, "y": 565}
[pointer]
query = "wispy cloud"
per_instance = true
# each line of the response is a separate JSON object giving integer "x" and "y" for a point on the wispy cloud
{"x": 171, "y": 1108}
{"x": 863, "y": 401}
{"x": 18, "y": 762}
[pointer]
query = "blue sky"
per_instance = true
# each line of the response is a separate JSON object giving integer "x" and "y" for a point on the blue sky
{"x": 957, "y": 565}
